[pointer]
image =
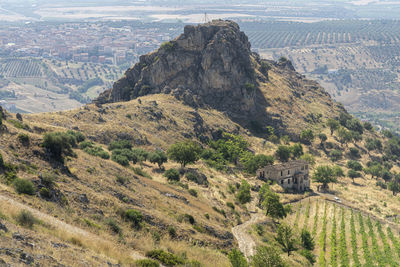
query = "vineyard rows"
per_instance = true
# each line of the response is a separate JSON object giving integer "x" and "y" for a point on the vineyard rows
{"x": 285, "y": 34}
{"x": 345, "y": 237}
{"x": 20, "y": 68}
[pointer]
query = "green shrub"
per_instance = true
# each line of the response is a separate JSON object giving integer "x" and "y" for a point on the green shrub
{"x": 48, "y": 179}
{"x": 308, "y": 255}
{"x": 193, "y": 192}
{"x": 196, "y": 177}
{"x": 184, "y": 152}
{"x": 306, "y": 136}
{"x": 251, "y": 163}
{"x": 86, "y": 144}
{"x": 237, "y": 259}
{"x": 2, "y": 165}
{"x": 283, "y": 153}
{"x": 45, "y": 192}
{"x": 120, "y": 159}
{"x": 97, "y": 151}
{"x": 335, "y": 155}
{"x": 168, "y": 46}
{"x": 115, "y": 228}
{"x": 23, "y": 186}
{"x": 354, "y": 165}
{"x": 133, "y": 216}
{"x": 354, "y": 152}
{"x": 121, "y": 179}
{"x": 58, "y": 144}
{"x": 230, "y": 205}
{"x": 172, "y": 174}
{"x": 24, "y": 139}
{"x": 165, "y": 258}
{"x": 140, "y": 154}
{"x": 189, "y": 218}
{"x": 76, "y": 137}
{"x": 26, "y": 218}
{"x": 158, "y": 157}
{"x": 243, "y": 195}
{"x": 19, "y": 124}
{"x": 146, "y": 263}
{"x": 171, "y": 231}
{"x": 120, "y": 144}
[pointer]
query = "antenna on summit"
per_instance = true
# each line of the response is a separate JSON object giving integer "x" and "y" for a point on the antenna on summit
{"x": 205, "y": 17}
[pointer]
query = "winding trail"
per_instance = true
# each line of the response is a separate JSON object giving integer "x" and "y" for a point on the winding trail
{"x": 246, "y": 243}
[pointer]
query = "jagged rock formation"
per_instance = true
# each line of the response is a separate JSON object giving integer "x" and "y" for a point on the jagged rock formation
{"x": 211, "y": 65}
{"x": 208, "y": 64}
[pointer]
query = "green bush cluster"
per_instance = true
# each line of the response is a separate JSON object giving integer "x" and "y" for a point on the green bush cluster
{"x": 23, "y": 186}
{"x": 172, "y": 174}
{"x": 24, "y": 139}
{"x": 133, "y": 216}
{"x": 243, "y": 195}
{"x": 284, "y": 153}
{"x": 165, "y": 258}
{"x": 19, "y": 124}
{"x": 60, "y": 144}
{"x": 26, "y": 219}
{"x": 93, "y": 150}
{"x": 230, "y": 148}
{"x": 123, "y": 153}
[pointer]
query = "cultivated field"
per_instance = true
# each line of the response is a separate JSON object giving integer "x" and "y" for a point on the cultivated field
{"x": 346, "y": 237}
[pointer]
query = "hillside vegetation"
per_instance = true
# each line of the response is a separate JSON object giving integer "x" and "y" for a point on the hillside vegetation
{"x": 157, "y": 180}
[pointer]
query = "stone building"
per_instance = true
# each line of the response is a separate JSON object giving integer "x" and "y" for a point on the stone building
{"x": 291, "y": 175}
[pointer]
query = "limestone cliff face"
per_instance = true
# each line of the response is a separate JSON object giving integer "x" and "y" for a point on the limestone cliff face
{"x": 208, "y": 64}
{"x": 211, "y": 66}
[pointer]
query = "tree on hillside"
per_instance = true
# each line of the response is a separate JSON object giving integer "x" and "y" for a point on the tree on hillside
{"x": 374, "y": 170}
{"x": 296, "y": 150}
{"x": 270, "y": 202}
{"x": 243, "y": 195}
{"x": 283, "y": 153}
{"x": 322, "y": 137}
{"x": 324, "y": 175}
{"x": 237, "y": 259}
{"x": 307, "y": 136}
{"x": 338, "y": 171}
{"x": 267, "y": 257}
{"x": 353, "y": 174}
{"x": 58, "y": 144}
{"x": 307, "y": 240}
{"x": 251, "y": 163}
{"x": 394, "y": 185}
{"x": 184, "y": 153}
{"x": 333, "y": 125}
{"x": 158, "y": 157}
{"x": 354, "y": 165}
{"x": 373, "y": 144}
{"x": 344, "y": 136}
{"x": 286, "y": 239}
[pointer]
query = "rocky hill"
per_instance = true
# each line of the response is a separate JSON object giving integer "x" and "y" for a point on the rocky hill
{"x": 86, "y": 182}
{"x": 211, "y": 65}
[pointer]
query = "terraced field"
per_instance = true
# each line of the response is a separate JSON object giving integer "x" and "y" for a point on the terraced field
{"x": 346, "y": 237}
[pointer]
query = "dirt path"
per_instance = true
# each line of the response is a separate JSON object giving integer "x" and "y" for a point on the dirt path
{"x": 58, "y": 224}
{"x": 244, "y": 239}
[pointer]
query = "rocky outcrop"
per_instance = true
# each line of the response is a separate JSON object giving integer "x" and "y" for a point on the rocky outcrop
{"x": 209, "y": 64}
